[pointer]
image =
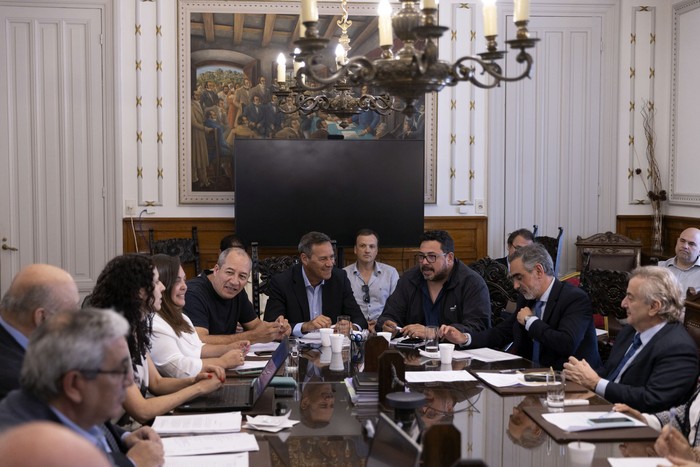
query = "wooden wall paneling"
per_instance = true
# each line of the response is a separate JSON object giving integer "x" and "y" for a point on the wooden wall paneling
{"x": 639, "y": 227}
{"x": 469, "y": 234}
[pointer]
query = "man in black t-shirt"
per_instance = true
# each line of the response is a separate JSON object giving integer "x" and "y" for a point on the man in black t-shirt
{"x": 216, "y": 302}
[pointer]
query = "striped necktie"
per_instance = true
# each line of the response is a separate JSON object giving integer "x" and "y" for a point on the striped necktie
{"x": 539, "y": 305}
{"x": 636, "y": 344}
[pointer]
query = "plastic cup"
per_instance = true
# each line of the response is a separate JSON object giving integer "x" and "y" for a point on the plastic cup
{"x": 337, "y": 363}
{"x": 581, "y": 454}
{"x": 337, "y": 341}
{"x": 431, "y": 339}
{"x": 326, "y": 336}
{"x": 343, "y": 325}
{"x": 446, "y": 351}
{"x": 385, "y": 335}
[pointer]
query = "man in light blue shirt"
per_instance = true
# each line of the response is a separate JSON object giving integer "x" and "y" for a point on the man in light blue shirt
{"x": 372, "y": 282}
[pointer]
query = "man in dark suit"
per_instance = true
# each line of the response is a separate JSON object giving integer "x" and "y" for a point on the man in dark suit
{"x": 517, "y": 239}
{"x": 311, "y": 295}
{"x": 653, "y": 364}
{"x": 76, "y": 372}
{"x": 552, "y": 319}
{"x": 37, "y": 292}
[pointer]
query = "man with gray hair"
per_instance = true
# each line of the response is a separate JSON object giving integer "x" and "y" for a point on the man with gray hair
{"x": 37, "y": 292}
{"x": 552, "y": 321}
{"x": 75, "y": 373}
{"x": 312, "y": 295}
{"x": 216, "y": 302}
{"x": 653, "y": 364}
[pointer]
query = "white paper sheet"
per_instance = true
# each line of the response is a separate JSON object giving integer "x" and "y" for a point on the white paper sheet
{"x": 432, "y": 376}
{"x": 251, "y": 365}
{"x": 217, "y": 460}
{"x": 229, "y": 422}
{"x": 639, "y": 462}
{"x": 209, "y": 444}
{"x": 263, "y": 347}
{"x": 578, "y": 421}
{"x": 487, "y": 355}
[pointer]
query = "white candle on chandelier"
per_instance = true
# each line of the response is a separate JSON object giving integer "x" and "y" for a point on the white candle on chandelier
{"x": 521, "y": 10}
{"x": 281, "y": 69}
{"x": 302, "y": 30}
{"x": 432, "y": 4}
{"x": 490, "y": 17}
{"x": 309, "y": 11}
{"x": 297, "y": 65}
{"x": 339, "y": 55}
{"x": 386, "y": 33}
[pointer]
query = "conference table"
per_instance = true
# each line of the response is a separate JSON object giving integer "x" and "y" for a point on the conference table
{"x": 500, "y": 426}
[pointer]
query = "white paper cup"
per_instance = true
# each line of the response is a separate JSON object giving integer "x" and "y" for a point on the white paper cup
{"x": 326, "y": 336}
{"x": 337, "y": 362}
{"x": 446, "y": 351}
{"x": 385, "y": 335}
{"x": 326, "y": 354}
{"x": 337, "y": 341}
{"x": 581, "y": 454}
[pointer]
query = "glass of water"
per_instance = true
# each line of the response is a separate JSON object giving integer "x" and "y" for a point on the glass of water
{"x": 431, "y": 339}
{"x": 556, "y": 385}
{"x": 292, "y": 366}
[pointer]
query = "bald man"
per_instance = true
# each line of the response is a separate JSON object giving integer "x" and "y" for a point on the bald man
{"x": 37, "y": 292}
{"x": 686, "y": 264}
{"x": 59, "y": 447}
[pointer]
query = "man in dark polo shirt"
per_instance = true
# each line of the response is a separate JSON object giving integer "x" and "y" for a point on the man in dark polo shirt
{"x": 216, "y": 302}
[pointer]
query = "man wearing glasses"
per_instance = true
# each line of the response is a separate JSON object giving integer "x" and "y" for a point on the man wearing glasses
{"x": 439, "y": 290}
{"x": 372, "y": 282}
{"x": 75, "y": 373}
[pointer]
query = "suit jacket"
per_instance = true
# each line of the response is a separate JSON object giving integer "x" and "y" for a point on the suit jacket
{"x": 566, "y": 329}
{"x": 503, "y": 261}
{"x": 662, "y": 375}
{"x": 21, "y": 407}
{"x": 11, "y": 357}
{"x": 288, "y": 298}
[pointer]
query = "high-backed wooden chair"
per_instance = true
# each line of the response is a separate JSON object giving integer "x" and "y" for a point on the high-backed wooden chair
{"x": 264, "y": 269}
{"x": 552, "y": 245}
{"x": 692, "y": 315}
{"x": 608, "y": 250}
{"x": 501, "y": 291}
{"x": 187, "y": 249}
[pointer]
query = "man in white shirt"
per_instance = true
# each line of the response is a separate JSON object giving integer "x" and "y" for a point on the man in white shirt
{"x": 686, "y": 264}
{"x": 372, "y": 282}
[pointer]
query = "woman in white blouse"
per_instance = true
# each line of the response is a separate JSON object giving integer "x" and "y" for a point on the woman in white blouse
{"x": 176, "y": 348}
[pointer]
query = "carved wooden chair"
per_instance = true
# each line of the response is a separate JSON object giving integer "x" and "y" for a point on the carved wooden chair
{"x": 552, "y": 245}
{"x": 187, "y": 249}
{"x": 501, "y": 291}
{"x": 264, "y": 270}
{"x": 609, "y": 251}
{"x": 692, "y": 315}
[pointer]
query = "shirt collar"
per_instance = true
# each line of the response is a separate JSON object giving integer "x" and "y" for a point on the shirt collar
{"x": 647, "y": 335}
{"x": 307, "y": 283}
{"x": 14, "y": 332}
{"x": 92, "y": 434}
{"x": 545, "y": 296}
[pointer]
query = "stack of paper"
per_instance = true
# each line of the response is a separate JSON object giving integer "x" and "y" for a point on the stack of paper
{"x": 485, "y": 355}
{"x": 433, "y": 376}
{"x": 270, "y": 423}
{"x": 585, "y": 421}
{"x": 209, "y": 444}
{"x": 198, "y": 424}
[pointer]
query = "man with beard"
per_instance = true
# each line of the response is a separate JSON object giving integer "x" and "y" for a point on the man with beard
{"x": 686, "y": 264}
{"x": 439, "y": 290}
{"x": 552, "y": 320}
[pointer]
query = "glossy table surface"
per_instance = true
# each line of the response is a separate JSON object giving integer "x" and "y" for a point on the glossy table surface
{"x": 492, "y": 427}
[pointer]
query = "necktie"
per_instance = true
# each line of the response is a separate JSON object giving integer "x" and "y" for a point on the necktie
{"x": 108, "y": 440}
{"x": 539, "y": 305}
{"x": 636, "y": 344}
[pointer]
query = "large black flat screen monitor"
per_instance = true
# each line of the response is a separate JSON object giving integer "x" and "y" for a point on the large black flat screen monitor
{"x": 287, "y": 188}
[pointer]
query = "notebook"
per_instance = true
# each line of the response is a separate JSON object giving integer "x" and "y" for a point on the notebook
{"x": 239, "y": 397}
{"x": 392, "y": 446}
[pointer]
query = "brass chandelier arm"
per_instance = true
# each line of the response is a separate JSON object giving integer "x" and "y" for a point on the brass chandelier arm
{"x": 357, "y": 71}
{"x": 463, "y": 72}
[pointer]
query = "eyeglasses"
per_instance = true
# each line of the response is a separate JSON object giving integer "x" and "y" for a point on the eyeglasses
{"x": 123, "y": 372}
{"x": 365, "y": 290}
{"x": 430, "y": 257}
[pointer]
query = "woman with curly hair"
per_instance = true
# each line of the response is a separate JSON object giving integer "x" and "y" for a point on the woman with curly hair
{"x": 130, "y": 285}
{"x": 177, "y": 350}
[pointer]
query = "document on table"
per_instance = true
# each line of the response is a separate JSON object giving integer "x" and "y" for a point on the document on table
{"x": 579, "y": 421}
{"x": 263, "y": 347}
{"x": 209, "y": 444}
{"x": 443, "y": 376}
{"x": 506, "y": 379}
{"x": 485, "y": 355}
{"x": 229, "y": 422}
{"x": 251, "y": 365}
{"x": 217, "y": 460}
{"x": 639, "y": 462}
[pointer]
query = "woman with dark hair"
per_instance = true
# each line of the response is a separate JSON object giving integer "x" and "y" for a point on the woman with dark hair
{"x": 130, "y": 285}
{"x": 177, "y": 350}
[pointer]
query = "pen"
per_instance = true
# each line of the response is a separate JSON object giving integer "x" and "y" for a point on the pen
{"x": 512, "y": 370}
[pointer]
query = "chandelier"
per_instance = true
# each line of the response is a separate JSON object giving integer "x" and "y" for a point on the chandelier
{"x": 415, "y": 69}
{"x": 340, "y": 99}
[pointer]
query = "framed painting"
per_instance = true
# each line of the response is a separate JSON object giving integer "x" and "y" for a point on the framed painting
{"x": 227, "y": 64}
